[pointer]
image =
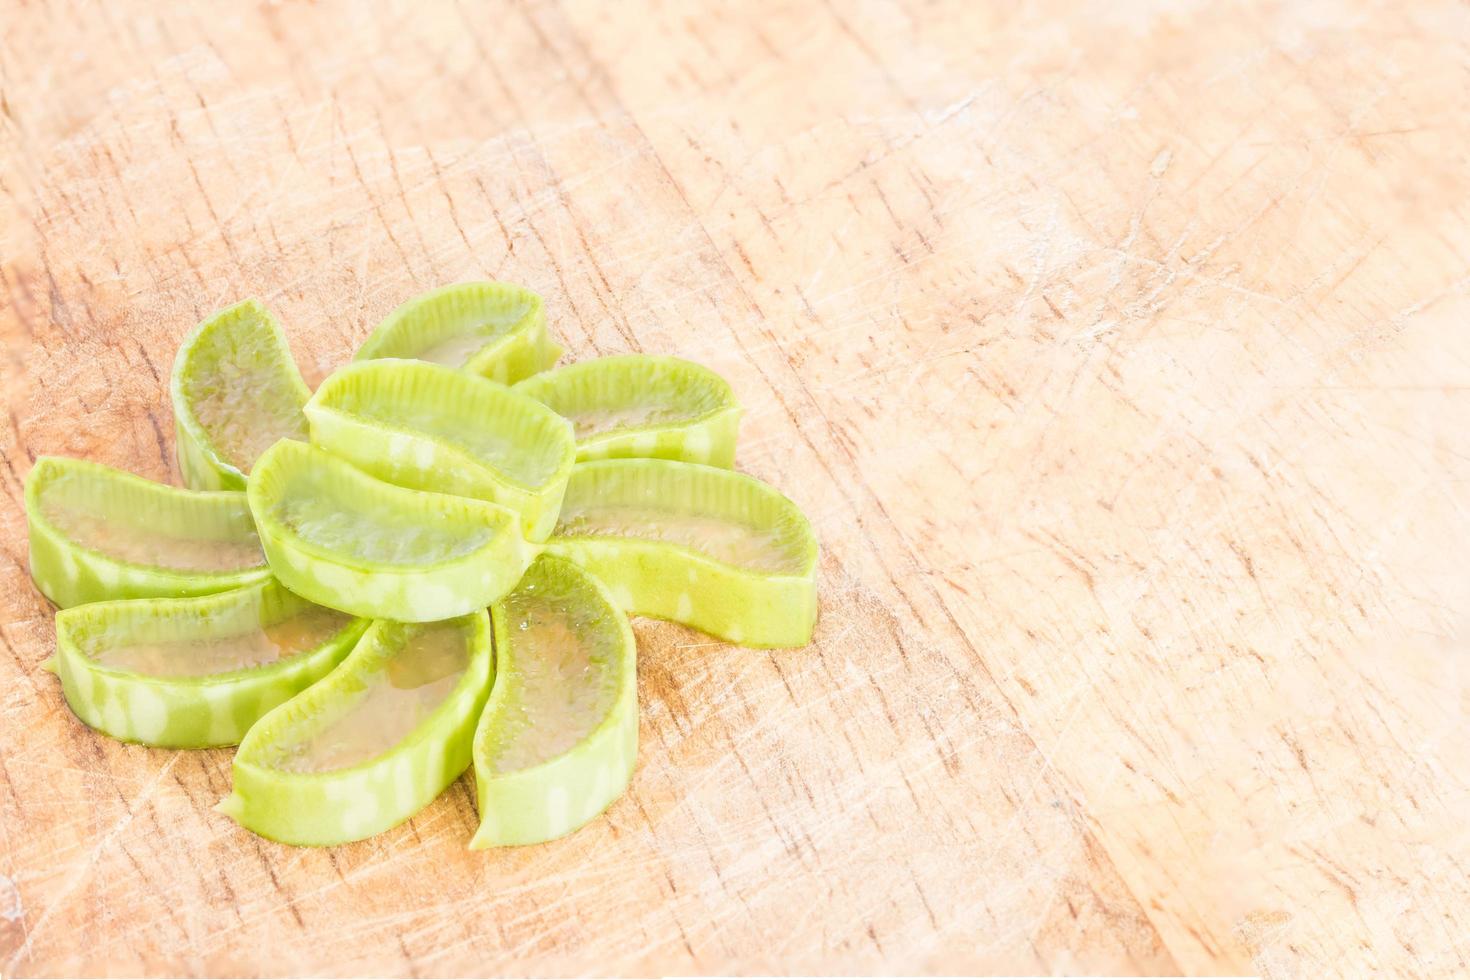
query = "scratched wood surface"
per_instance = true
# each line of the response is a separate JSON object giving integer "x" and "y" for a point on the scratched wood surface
{"x": 1118, "y": 352}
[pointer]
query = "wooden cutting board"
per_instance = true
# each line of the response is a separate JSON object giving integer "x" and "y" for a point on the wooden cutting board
{"x": 1118, "y": 353}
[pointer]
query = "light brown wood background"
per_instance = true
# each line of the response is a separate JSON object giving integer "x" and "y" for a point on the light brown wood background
{"x": 1119, "y": 351}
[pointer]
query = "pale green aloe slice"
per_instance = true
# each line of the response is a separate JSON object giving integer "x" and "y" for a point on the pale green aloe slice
{"x": 643, "y": 405}
{"x": 428, "y": 427}
{"x": 235, "y": 392}
{"x": 99, "y": 533}
{"x": 699, "y": 545}
{"x": 373, "y": 742}
{"x": 196, "y": 672}
{"x": 559, "y": 736}
{"x": 495, "y": 329}
{"x": 347, "y": 540}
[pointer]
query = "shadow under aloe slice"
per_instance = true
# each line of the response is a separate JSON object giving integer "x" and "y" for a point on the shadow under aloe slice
{"x": 347, "y": 540}
{"x": 195, "y": 672}
{"x": 494, "y": 329}
{"x": 699, "y": 545}
{"x": 559, "y": 736}
{"x": 640, "y": 405}
{"x": 99, "y": 533}
{"x": 235, "y": 391}
{"x": 373, "y": 742}
{"x": 428, "y": 427}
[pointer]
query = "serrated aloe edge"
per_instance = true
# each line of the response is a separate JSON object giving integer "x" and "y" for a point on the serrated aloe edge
{"x": 235, "y": 390}
{"x": 428, "y": 427}
{"x": 373, "y": 742}
{"x": 100, "y": 533}
{"x": 643, "y": 405}
{"x": 195, "y": 672}
{"x": 703, "y": 546}
{"x": 344, "y": 539}
{"x": 494, "y": 329}
{"x": 558, "y": 740}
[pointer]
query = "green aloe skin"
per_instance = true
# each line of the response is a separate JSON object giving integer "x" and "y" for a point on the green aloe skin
{"x": 373, "y": 742}
{"x": 558, "y": 739}
{"x": 428, "y": 564}
{"x": 643, "y": 405}
{"x": 196, "y": 672}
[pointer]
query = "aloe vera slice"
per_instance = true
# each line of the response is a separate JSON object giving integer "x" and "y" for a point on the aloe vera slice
{"x": 373, "y": 742}
{"x": 699, "y": 545}
{"x": 643, "y": 405}
{"x": 235, "y": 391}
{"x": 195, "y": 672}
{"x": 342, "y": 538}
{"x": 559, "y": 736}
{"x": 495, "y": 329}
{"x": 428, "y": 427}
{"x": 99, "y": 533}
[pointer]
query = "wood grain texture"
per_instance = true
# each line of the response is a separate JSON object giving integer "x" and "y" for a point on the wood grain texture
{"x": 1117, "y": 351}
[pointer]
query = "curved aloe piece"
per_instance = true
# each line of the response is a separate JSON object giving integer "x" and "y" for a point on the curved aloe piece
{"x": 197, "y": 672}
{"x": 99, "y": 533}
{"x": 235, "y": 391}
{"x": 495, "y": 329}
{"x": 642, "y": 405}
{"x": 559, "y": 736}
{"x": 428, "y": 427}
{"x": 344, "y": 539}
{"x": 699, "y": 545}
{"x": 373, "y": 742}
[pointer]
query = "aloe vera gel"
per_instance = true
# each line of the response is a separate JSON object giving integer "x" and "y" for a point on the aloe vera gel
{"x": 425, "y": 567}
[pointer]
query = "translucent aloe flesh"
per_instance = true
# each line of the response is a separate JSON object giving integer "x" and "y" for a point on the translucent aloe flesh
{"x": 640, "y": 405}
{"x": 235, "y": 391}
{"x": 98, "y": 533}
{"x": 373, "y": 742}
{"x": 342, "y": 538}
{"x": 427, "y": 427}
{"x": 195, "y": 672}
{"x": 559, "y": 737}
{"x": 698, "y": 545}
{"x": 494, "y": 329}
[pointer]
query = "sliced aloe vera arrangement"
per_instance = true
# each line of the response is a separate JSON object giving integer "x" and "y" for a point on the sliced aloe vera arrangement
{"x": 427, "y": 564}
